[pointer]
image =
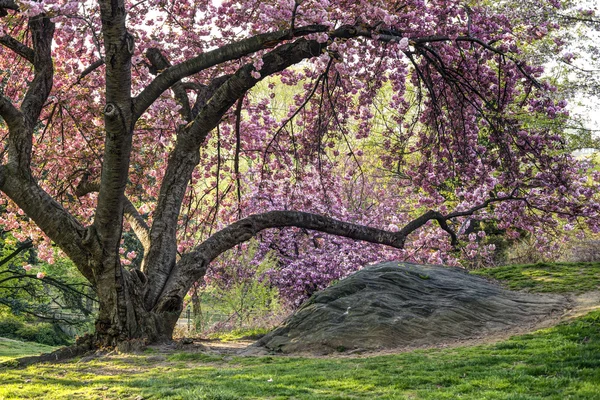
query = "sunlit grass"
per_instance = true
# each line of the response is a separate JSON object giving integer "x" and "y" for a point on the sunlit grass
{"x": 546, "y": 277}
{"x": 10, "y": 349}
{"x": 237, "y": 334}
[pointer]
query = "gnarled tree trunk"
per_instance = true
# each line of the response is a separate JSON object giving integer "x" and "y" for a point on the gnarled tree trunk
{"x": 122, "y": 315}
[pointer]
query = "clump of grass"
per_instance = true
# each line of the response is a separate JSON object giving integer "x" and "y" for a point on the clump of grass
{"x": 238, "y": 334}
{"x": 198, "y": 357}
{"x": 546, "y": 277}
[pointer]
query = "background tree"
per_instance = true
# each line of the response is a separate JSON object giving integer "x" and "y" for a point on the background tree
{"x": 133, "y": 116}
{"x": 39, "y": 301}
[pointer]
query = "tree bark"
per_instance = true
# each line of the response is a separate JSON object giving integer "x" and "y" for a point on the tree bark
{"x": 122, "y": 316}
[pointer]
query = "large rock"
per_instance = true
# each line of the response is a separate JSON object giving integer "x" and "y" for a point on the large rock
{"x": 401, "y": 304}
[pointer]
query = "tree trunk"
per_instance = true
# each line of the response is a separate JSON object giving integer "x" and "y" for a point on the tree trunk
{"x": 123, "y": 319}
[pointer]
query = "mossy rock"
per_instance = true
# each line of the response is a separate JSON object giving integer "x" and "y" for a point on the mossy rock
{"x": 394, "y": 304}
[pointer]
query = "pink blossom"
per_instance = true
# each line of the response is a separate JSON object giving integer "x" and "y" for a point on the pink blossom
{"x": 403, "y": 44}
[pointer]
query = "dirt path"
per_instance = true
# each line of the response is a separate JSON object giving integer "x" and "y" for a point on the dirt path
{"x": 579, "y": 305}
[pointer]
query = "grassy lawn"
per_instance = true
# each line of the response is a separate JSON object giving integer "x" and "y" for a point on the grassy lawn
{"x": 546, "y": 277}
{"x": 562, "y": 362}
{"x": 557, "y": 363}
{"x": 10, "y": 349}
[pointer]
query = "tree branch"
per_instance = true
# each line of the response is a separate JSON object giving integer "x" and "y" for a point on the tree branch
{"x": 42, "y": 32}
{"x": 229, "y": 52}
{"x": 137, "y": 222}
{"x": 27, "y": 244}
{"x": 93, "y": 66}
{"x": 18, "y": 47}
{"x": 192, "y": 265}
{"x": 483, "y": 205}
{"x": 247, "y": 228}
{"x": 50, "y": 217}
{"x": 185, "y": 156}
{"x": 158, "y": 63}
{"x": 11, "y": 115}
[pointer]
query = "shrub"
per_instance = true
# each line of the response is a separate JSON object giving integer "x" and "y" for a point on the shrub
{"x": 9, "y": 325}
{"x": 585, "y": 251}
{"x": 15, "y": 328}
{"x": 238, "y": 292}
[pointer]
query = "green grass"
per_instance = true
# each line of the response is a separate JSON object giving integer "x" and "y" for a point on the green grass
{"x": 562, "y": 362}
{"x": 10, "y": 349}
{"x": 557, "y": 363}
{"x": 546, "y": 277}
{"x": 237, "y": 334}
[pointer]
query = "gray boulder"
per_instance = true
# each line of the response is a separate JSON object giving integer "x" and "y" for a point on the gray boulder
{"x": 406, "y": 305}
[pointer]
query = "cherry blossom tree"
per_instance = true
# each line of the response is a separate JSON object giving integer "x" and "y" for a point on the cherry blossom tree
{"x": 143, "y": 117}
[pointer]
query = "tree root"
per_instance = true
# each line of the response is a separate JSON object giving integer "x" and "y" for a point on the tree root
{"x": 82, "y": 346}
{"x": 88, "y": 346}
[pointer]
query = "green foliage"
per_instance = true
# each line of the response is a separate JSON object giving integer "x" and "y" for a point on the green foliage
{"x": 243, "y": 293}
{"x": 44, "y": 333}
{"x": 546, "y": 277}
{"x": 55, "y": 293}
{"x": 9, "y": 325}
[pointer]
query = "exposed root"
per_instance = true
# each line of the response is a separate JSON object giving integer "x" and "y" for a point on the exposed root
{"x": 87, "y": 346}
{"x": 82, "y": 346}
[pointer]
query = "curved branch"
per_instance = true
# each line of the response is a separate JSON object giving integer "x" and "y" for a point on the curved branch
{"x": 247, "y": 228}
{"x": 18, "y": 47}
{"x": 50, "y": 217}
{"x": 229, "y": 52}
{"x": 192, "y": 265}
{"x": 11, "y": 115}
